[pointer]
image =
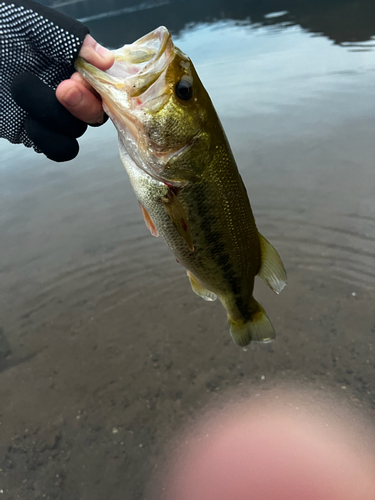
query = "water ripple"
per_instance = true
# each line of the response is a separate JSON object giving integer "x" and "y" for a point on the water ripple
{"x": 343, "y": 252}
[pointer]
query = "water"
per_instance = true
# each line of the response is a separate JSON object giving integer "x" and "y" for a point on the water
{"x": 103, "y": 329}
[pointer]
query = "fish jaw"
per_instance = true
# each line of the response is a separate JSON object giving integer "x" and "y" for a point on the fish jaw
{"x": 136, "y": 84}
{"x": 136, "y": 67}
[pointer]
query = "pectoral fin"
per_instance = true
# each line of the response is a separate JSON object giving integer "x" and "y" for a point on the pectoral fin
{"x": 148, "y": 221}
{"x": 272, "y": 270}
{"x": 199, "y": 290}
{"x": 179, "y": 217}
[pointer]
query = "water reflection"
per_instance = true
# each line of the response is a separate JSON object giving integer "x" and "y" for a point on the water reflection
{"x": 116, "y": 21}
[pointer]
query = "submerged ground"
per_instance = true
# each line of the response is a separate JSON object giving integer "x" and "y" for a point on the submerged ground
{"x": 104, "y": 350}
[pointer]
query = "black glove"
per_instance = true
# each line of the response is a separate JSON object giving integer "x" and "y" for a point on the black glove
{"x": 38, "y": 47}
{"x": 48, "y": 124}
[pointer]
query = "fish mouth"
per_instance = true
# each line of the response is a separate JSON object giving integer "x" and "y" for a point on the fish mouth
{"x": 136, "y": 82}
{"x": 137, "y": 66}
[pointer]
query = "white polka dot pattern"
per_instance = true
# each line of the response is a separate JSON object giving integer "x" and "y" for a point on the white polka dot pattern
{"x": 30, "y": 42}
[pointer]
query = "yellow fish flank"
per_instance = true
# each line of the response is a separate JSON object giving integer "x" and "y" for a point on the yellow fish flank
{"x": 186, "y": 180}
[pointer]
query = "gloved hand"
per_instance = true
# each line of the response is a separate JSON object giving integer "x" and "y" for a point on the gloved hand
{"x": 52, "y": 128}
{"x": 48, "y": 124}
{"x": 76, "y": 94}
{"x": 35, "y": 62}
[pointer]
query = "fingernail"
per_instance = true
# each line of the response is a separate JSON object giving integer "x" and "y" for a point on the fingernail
{"x": 73, "y": 97}
{"x": 102, "y": 51}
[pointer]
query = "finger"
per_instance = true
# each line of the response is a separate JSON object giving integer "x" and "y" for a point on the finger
{"x": 39, "y": 101}
{"x": 80, "y": 102}
{"x": 96, "y": 54}
{"x": 77, "y": 77}
{"x": 56, "y": 146}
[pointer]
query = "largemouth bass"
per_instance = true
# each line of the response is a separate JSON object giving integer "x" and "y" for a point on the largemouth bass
{"x": 185, "y": 177}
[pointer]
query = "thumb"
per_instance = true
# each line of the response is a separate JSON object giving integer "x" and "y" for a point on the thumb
{"x": 96, "y": 54}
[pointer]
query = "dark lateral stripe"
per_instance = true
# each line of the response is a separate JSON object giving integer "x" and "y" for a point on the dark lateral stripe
{"x": 217, "y": 249}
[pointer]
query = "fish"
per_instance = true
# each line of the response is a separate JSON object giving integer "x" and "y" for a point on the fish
{"x": 185, "y": 177}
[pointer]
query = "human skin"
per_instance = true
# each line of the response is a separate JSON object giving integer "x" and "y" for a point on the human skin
{"x": 75, "y": 94}
{"x": 274, "y": 453}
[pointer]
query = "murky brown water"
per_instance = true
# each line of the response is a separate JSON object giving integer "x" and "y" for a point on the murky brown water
{"x": 105, "y": 351}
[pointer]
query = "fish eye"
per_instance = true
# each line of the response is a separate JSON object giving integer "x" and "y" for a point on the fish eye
{"x": 184, "y": 88}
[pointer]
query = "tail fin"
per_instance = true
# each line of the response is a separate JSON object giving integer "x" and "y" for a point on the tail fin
{"x": 257, "y": 329}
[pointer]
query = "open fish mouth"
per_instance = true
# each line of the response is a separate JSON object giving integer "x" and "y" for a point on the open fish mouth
{"x": 136, "y": 80}
{"x": 140, "y": 64}
{"x": 137, "y": 66}
{"x": 136, "y": 84}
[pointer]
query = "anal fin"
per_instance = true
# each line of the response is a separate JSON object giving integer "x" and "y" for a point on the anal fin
{"x": 271, "y": 270}
{"x": 148, "y": 221}
{"x": 199, "y": 290}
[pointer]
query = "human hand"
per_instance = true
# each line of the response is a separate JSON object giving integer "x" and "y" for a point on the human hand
{"x": 283, "y": 445}
{"x": 76, "y": 95}
{"x": 56, "y": 119}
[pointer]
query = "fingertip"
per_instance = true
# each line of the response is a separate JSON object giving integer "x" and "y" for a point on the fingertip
{"x": 96, "y": 54}
{"x": 73, "y": 97}
{"x": 77, "y": 77}
{"x": 107, "y": 56}
{"x": 80, "y": 102}
{"x": 62, "y": 89}
{"x": 70, "y": 94}
{"x": 55, "y": 145}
